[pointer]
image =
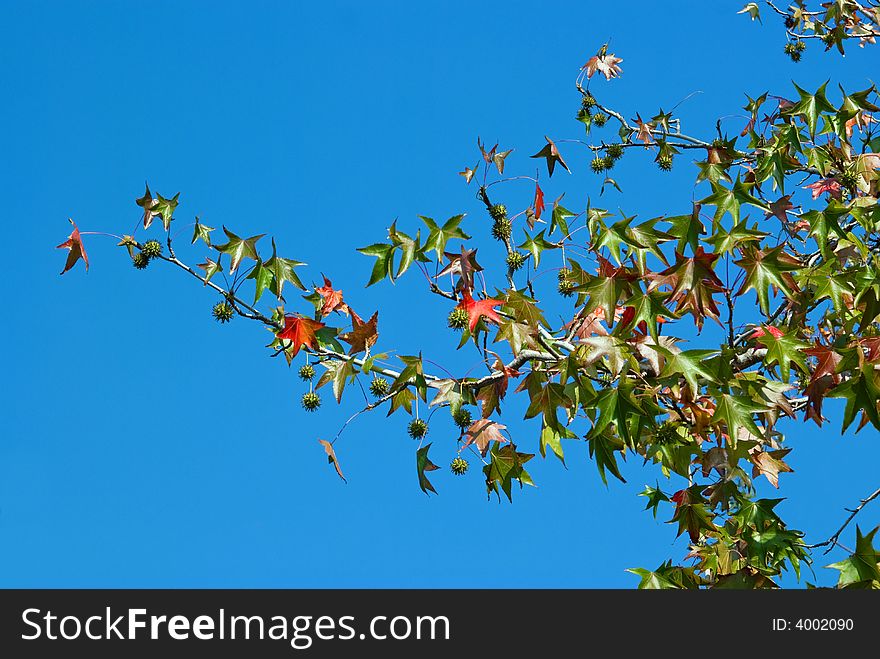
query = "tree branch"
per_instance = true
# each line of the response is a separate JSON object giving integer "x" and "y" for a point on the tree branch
{"x": 832, "y": 541}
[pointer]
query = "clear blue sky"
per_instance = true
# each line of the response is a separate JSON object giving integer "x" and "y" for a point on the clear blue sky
{"x": 145, "y": 445}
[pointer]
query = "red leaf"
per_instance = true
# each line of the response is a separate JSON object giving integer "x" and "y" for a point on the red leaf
{"x": 827, "y": 362}
{"x": 77, "y": 249}
{"x": 775, "y": 332}
{"x": 332, "y": 299}
{"x": 829, "y": 185}
{"x": 300, "y": 331}
{"x": 539, "y": 201}
{"x": 477, "y": 309}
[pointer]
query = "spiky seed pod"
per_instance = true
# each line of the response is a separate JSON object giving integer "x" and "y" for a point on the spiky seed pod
{"x": 498, "y": 211}
{"x": 501, "y": 229}
{"x": 462, "y": 418}
{"x": 140, "y": 260}
{"x": 789, "y": 21}
{"x": 152, "y": 249}
{"x": 795, "y": 55}
{"x": 223, "y": 312}
{"x": 614, "y": 151}
{"x": 666, "y": 434}
{"x": 516, "y": 260}
{"x": 597, "y": 164}
{"x": 583, "y": 115}
{"x": 417, "y": 428}
{"x": 379, "y": 387}
{"x": 457, "y": 319}
{"x": 789, "y": 48}
{"x": 306, "y": 372}
{"x": 600, "y": 119}
{"x": 609, "y": 162}
{"x": 566, "y": 288}
{"x": 563, "y": 274}
{"x": 848, "y": 179}
{"x": 800, "y": 45}
{"x": 311, "y": 401}
{"x": 588, "y": 101}
{"x": 664, "y": 162}
{"x": 458, "y": 466}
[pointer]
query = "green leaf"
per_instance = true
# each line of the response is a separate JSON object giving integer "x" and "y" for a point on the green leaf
{"x": 861, "y": 566}
{"x": 202, "y": 232}
{"x": 552, "y": 436}
{"x": 506, "y": 466}
{"x": 211, "y": 268}
{"x": 409, "y": 248}
{"x": 559, "y": 218}
{"x": 439, "y": 236}
{"x": 809, "y": 107}
{"x": 785, "y": 351}
{"x": 423, "y": 464}
{"x": 339, "y": 373}
{"x": 164, "y": 208}
{"x": 731, "y": 200}
{"x": 603, "y": 447}
{"x": 736, "y": 413}
{"x": 524, "y": 309}
{"x": 766, "y": 268}
{"x": 262, "y": 277}
{"x": 726, "y": 241}
{"x": 547, "y": 401}
{"x": 688, "y": 229}
{"x": 689, "y": 364}
{"x": 383, "y": 267}
{"x": 238, "y": 248}
{"x": 413, "y": 373}
{"x": 282, "y": 271}
{"x": 861, "y": 392}
{"x": 655, "y": 497}
{"x": 616, "y": 235}
{"x": 537, "y": 245}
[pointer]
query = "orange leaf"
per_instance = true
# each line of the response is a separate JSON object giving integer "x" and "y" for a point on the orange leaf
{"x": 300, "y": 331}
{"x": 479, "y": 309}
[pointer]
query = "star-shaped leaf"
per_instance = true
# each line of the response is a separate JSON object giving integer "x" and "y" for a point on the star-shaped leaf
{"x": 239, "y": 248}
{"x": 363, "y": 335}
{"x": 551, "y": 154}
{"x": 440, "y": 235}
{"x": 300, "y": 332}
{"x": 164, "y": 208}
{"x": 202, "y": 232}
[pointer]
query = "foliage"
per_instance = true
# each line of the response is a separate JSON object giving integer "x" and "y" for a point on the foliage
{"x": 786, "y": 227}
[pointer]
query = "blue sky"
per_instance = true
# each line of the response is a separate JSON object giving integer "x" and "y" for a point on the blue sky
{"x": 145, "y": 445}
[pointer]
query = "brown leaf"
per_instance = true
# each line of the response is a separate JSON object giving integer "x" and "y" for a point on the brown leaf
{"x": 780, "y": 208}
{"x": 483, "y": 431}
{"x": 715, "y": 458}
{"x": 363, "y": 335}
{"x": 551, "y": 154}
{"x": 465, "y": 265}
{"x": 331, "y": 457}
{"x": 77, "y": 250}
{"x": 469, "y": 172}
{"x": 770, "y": 464}
{"x": 147, "y": 203}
